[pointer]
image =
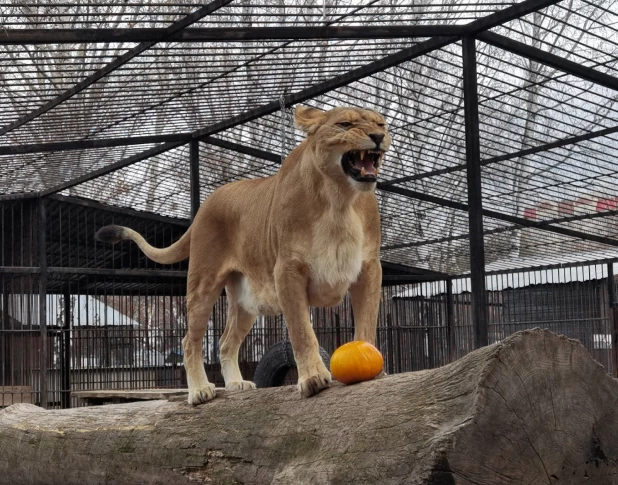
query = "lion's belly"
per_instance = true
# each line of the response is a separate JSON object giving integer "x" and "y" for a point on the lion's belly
{"x": 259, "y": 299}
{"x": 332, "y": 274}
{"x": 329, "y": 281}
{"x": 325, "y": 295}
{"x": 266, "y": 302}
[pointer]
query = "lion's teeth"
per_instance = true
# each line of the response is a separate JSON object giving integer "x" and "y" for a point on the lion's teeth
{"x": 363, "y": 172}
{"x": 362, "y": 154}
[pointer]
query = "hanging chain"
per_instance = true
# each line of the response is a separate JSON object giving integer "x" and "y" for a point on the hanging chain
{"x": 285, "y": 120}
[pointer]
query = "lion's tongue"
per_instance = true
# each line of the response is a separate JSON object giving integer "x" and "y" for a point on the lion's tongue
{"x": 365, "y": 166}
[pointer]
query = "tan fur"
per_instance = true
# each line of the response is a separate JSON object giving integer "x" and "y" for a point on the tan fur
{"x": 176, "y": 252}
{"x": 303, "y": 237}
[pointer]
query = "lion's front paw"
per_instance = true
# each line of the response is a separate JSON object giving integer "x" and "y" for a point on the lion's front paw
{"x": 313, "y": 384}
{"x": 239, "y": 386}
{"x": 201, "y": 394}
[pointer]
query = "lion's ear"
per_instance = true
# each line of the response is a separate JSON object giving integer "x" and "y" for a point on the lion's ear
{"x": 308, "y": 119}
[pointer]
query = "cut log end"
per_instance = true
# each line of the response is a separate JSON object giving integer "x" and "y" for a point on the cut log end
{"x": 535, "y": 408}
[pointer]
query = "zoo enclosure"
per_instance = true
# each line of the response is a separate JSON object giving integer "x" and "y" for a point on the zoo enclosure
{"x": 112, "y": 327}
{"x": 504, "y": 157}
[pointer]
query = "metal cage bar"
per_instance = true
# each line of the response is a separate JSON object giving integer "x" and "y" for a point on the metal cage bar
{"x": 475, "y": 196}
{"x": 194, "y": 155}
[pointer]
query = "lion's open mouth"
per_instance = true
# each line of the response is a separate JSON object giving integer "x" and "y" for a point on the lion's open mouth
{"x": 362, "y": 165}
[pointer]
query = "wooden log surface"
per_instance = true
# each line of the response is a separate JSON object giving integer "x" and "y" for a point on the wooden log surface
{"x": 533, "y": 409}
{"x": 103, "y": 396}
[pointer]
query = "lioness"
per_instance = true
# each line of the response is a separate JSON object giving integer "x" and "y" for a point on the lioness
{"x": 281, "y": 244}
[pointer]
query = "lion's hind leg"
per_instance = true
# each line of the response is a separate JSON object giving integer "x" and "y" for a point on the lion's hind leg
{"x": 202, "y": 293}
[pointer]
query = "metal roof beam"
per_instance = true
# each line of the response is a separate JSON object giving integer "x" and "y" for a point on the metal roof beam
{"x": 171, "y": 142}
{"x": 498, "y": 230}
{"x": 230, "y": 34}
{"x": 225, "y": 34}
{"x": 411, "y": 270}
{"x": 237, "y": 147}
{"x": 136, "y": 140}
{"x": 116, "y": 63}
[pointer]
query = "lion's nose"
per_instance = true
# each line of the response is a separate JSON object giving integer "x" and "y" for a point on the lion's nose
{"x": 377, "y": 138}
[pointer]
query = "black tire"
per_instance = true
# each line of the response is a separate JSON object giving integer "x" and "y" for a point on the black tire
{"x": 276, "y": 362}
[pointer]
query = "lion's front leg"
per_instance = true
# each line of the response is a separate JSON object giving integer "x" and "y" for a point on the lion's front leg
{"x": 291, "y": 280}
{"x": 365, "y": 296}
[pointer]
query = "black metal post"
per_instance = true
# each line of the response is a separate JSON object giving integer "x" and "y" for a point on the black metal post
{"x": 195, "y": 176}
{"x": 450, "y": 322}
{"x": 613, "y": 315}
{"x": 338, "y": 341}
{"x": 390, "y": 345}
{"x": 475, "y": 202}
{"x": 65, "y": 396}
{"x": 43, "y": 374}
{"x": 6, "y": 362}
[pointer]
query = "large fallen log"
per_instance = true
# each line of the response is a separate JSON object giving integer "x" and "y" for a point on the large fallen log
{"x": 534, "y": 409}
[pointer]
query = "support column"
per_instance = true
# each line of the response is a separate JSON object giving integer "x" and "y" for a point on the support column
{"x": 450, "y": 322}
{"x": 613, "y": 315}
{"x": 475, "y": 203}
{"x": 194, "y": 151}
{"x": 65, "y": 359}
{"x": 43, "y": 356}
{"x": 6, "y": 363}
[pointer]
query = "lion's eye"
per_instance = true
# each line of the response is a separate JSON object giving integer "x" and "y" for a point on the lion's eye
{"x": 345, "y": 124}
{"x": 381, "y": 125}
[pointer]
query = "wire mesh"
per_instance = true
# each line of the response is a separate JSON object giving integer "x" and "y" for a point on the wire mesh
{"x": 93, "y": 14}
{"x": 350, "y": 12}
{"x": 34, "y": 172}
{"x": 583, "y": 31}
{"x": 416, "y": 97}
{"x": 184, "y": 87}
{"x": 158, "y": 185}
{"x": 267, "y": 13}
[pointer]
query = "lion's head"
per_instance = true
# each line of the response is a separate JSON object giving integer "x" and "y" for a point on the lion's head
{"x": 351, "y": 142}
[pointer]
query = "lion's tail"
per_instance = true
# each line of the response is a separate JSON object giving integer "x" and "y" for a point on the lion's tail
{"x": 172, "y": 254}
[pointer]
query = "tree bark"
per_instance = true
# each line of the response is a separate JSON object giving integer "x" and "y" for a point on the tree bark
{"x": 533, "y": 409}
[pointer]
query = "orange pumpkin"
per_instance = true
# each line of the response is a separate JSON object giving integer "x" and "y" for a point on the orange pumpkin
{"x": 356, "y": 362}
